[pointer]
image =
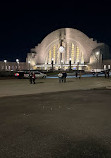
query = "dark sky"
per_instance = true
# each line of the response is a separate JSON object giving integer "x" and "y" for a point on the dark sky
{"x": 24, "y": 24}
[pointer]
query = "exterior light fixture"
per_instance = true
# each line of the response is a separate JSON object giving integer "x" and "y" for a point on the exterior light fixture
{"x": 17, "y": 60}
{"x": 97, "y": 53}
{"x": 5, "y": 61}
{"x": 29, "y": 64}
{"x": 5, "y": 64}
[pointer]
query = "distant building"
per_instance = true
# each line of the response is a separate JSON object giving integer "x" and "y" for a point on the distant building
{"x": 68, "y": 47}
{"x": 65, "y": 48}
{"x": 12, "y": 66}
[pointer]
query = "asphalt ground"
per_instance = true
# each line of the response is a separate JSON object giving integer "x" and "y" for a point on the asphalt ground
{"x": 70, "y": 124}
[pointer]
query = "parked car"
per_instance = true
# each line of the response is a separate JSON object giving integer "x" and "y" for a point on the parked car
{"x": 25, "y": 74}
{"x": 37, "y": 74}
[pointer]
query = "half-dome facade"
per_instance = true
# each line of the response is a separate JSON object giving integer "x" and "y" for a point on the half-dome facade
{"x": 65, "y": 47}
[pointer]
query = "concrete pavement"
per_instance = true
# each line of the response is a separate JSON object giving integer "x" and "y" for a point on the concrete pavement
{"x": 13, "y": 87}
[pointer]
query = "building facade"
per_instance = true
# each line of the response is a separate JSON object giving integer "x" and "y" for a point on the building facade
{"x": 68, "y": 48}
{"x": 12, "y": 66}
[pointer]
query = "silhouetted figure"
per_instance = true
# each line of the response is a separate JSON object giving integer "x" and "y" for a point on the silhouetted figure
{"x": 60, "y": 77}
{"x": 30, "y": 77}
{"x": 33, "y": 78}
{"x": 96, "y": 74}
{"x": 76, "y": 74}
{"x": 108, "y": 73}
{"x": 93, "y": 73}
{"x": 64, "y": 76}
{"x": 80, "y": 75}
{"x": 105, "y": 73}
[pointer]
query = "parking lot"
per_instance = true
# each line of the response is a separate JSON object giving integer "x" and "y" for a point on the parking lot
{"x": 53, "y": 120}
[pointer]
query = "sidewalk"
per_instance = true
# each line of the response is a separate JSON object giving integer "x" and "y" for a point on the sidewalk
{"x": 22, "y": 86}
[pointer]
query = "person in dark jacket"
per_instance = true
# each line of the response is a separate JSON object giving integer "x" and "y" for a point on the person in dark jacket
{"x": 64, "y": 77}
{"x": 30, "y": 77}
{"x": 76, "y": 74}
{"x": 33, "y": 77}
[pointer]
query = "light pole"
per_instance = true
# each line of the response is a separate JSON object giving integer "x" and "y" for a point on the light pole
{"x": 61, "y": 50}
{"x": 61, "y": 64}
{"x": 29, "y": 64}
{"x": 52, "y": 64}
{"x": 17, "y": 61}
{"x": 97, "y": 59}
{"x": 77, "y": 65}
{"x": 70, "y": 63}
{"x": 5, "y": 61}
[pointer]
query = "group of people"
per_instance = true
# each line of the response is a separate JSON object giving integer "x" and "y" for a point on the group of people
{"x": 62, "y": 77}
{"x": 32, "y": 77}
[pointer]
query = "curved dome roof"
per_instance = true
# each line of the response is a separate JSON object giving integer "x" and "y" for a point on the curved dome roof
{"x": 83, "y": 41}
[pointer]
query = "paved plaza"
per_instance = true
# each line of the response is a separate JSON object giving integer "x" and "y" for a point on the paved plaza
{"x": 14, "y": 87}
{"x": 55, "y": 120}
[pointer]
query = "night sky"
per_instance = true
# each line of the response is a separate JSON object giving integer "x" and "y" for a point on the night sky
{"x": 24, "y": 24}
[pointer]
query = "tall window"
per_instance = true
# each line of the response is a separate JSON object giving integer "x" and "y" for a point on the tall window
{"x": 49, "y": 59}
{"x": 77, "y": 54}
{"x": 82, "y": 58}
{"x": 54, "y": 53}
{"x": 72, "y": 54}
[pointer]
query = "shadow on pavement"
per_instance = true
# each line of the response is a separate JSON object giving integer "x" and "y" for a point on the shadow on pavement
{"x": 83, "y": 149}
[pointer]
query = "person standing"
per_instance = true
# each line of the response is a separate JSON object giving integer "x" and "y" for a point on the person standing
{"x": 76, "y": 74}
{"x": 64, "y": 76}
{"x": 80, "y": 74}
{"x": 60, "y": 77}
{"x": 33, "y": 77}
{"x": 108, "y": 73}
{"x": 30, "y": 77}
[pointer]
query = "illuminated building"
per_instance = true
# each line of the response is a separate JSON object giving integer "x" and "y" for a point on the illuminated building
{"x": 65, "y": 46}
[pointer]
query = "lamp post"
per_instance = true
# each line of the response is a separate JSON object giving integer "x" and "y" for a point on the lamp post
{"x": 52, "y": 64}
{"x": 77, "y": 65}
{"x": 17, "y": 61}
{"x": 29, "y": 64}
{"x": 61, "y": 64}
{"x": 70, "y": 63}
{"x": 97, "y": 59}
{"x": 61, "y": 50}
{"x": 5, "y": 61}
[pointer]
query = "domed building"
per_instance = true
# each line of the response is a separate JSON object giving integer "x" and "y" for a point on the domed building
{"x": 68, "y": 48}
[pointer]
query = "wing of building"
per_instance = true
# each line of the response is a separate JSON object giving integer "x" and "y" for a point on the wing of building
{"x": 68, "y": 47}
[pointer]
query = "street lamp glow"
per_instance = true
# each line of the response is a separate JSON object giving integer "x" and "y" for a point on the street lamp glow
{"x": 69, "y": 58}
{"x": 17, "y": 60}
{"x": 97, "y": 53}
{"x": 5, "y": 61}
{"x": 52, "y": 59}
